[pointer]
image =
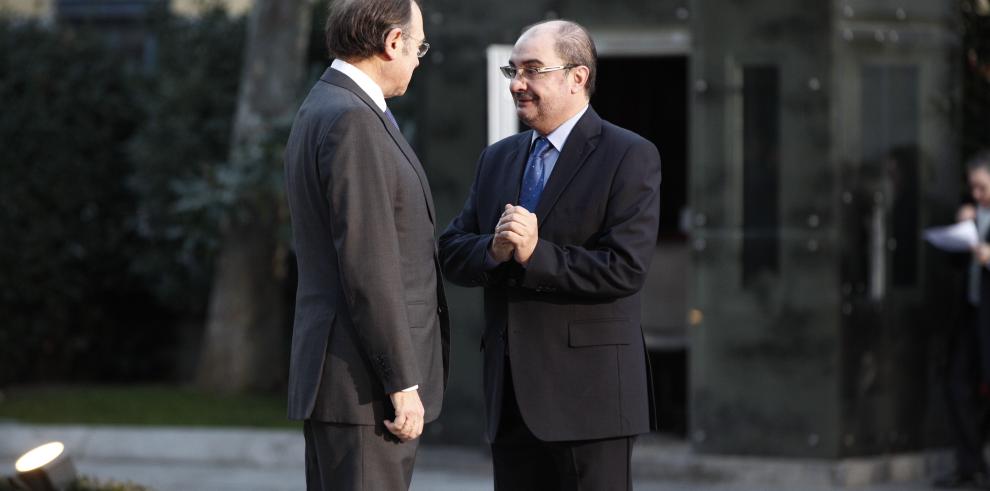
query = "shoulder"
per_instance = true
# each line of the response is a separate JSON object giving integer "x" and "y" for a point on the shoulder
{"x": 507, "y": 144}
{"x": 618, "y": 135}
{"x": 328, "y": 102}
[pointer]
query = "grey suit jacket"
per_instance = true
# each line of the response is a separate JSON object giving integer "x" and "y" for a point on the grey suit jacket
{"x": 370, "y": 313}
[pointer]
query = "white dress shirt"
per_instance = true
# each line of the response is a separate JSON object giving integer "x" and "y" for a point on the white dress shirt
{"x": 362, "y": 80}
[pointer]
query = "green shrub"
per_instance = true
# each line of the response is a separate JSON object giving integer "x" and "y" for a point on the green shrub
{"x": 70, "y": 306}
{"x": 189, "y": 101}
{"x": 86, "y": 483}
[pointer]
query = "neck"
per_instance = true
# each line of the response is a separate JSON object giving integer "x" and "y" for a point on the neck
{"x": 570, "y": 113}
{"x": 373, "y": 69}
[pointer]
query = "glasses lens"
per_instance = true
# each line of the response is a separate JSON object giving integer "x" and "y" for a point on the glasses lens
{"x": 508, "y": 71}
{"x": 423, "y": 48}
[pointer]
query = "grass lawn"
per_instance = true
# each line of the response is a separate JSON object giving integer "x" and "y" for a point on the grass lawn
{"x": 140, "y": 405}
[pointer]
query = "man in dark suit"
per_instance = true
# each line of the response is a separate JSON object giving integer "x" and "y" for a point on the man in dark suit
{"x": 369, "y": 345}
{"x": 967, "y": 383}
{"x": 559, "y": 228}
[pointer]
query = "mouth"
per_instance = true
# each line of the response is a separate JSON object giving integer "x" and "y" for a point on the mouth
{"x": 523, "y": 99}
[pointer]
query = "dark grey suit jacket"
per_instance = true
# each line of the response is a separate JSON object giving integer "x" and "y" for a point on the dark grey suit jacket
{"x": 571, "y": 319}
{"x": 370, "y": 313}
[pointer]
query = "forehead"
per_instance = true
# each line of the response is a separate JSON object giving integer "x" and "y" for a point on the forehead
{"x": 536, "y": 48}
{"x": 979, "y": 174}
{"x": 416, "y": 18}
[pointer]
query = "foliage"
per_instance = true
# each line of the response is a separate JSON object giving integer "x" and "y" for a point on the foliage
{"x": 70, "y": 306}
{"x": 83, "y": 483}
{"x": 180, "y": 148}
{"x": 141, "y": 405}
{"x": 86, "y": 483}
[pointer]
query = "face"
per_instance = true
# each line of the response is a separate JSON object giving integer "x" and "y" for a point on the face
{"x": 406, "y": 61}
{"x": 545, "y": 100}
{"x": 979, "y": 186}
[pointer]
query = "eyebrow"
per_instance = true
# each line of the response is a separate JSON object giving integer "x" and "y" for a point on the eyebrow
{"x": 527, "y": 62}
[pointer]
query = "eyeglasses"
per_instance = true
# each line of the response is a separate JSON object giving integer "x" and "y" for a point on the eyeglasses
{"x": 422, "y": 48}
{"x": 530, "y": 72}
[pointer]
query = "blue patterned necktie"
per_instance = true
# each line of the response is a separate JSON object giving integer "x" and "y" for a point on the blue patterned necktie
{"x": 388, "y": 114}
{"x": 533, "y": 177}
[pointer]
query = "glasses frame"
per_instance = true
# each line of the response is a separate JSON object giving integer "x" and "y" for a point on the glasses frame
{"x": 531, "y": 72}
{"x": 423, "y": 47}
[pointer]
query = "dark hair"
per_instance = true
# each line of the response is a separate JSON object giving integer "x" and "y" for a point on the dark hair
{"x": 356, "y": 29}
{"x": 575, "y": 47}
{"x": 979, "y": 161}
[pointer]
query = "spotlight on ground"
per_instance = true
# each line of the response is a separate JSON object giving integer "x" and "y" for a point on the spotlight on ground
{"x": 46, "y": 468}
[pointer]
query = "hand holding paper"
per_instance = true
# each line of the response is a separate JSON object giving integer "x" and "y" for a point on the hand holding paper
{"x": 961, "y": 237}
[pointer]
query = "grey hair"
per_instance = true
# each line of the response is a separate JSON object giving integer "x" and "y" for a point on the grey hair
{"x": 356, "y": 29}
{"x": 575, "y": 47}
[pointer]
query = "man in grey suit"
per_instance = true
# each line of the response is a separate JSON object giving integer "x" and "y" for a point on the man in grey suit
{"x": 370, "y": 338}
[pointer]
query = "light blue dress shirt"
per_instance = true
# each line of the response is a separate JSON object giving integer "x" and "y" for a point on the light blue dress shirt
{"x": 557, "y": 139}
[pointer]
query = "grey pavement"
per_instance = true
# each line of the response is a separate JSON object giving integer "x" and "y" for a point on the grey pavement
{"x": 208, "y": 459}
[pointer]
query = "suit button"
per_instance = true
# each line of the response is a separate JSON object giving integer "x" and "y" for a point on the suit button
{"x": 440, "y": 309}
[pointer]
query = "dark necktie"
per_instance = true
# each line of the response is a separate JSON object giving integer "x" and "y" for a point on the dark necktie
{"x": 388, "y": 114}
{"x": 533, "y": 177}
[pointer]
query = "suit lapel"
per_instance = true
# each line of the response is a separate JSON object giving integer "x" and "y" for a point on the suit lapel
{"x": 510, "y": 174}
{"x": 337, "y": 78}
{"x": 579, "y": 144}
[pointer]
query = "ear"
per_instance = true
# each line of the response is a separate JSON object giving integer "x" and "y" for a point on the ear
{"x": 580, "y": 77}
{"x": 392, "y": 44}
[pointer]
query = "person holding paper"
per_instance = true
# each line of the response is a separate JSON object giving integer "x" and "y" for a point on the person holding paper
{"x": 968, "y": 371}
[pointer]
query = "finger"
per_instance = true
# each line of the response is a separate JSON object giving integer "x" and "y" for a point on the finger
{"x": 516, "y": 239}
{"x": 400, "y": 421}
{"x": 414, "y": 431}
{"x": 392, "y": 429}
{"x": 513, "y": 224}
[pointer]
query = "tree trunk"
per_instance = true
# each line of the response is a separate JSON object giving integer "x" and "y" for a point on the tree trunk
{"x": 243, "y": 347}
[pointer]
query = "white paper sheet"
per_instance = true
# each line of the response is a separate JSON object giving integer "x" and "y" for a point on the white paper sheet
{"x": 961, "y": 237}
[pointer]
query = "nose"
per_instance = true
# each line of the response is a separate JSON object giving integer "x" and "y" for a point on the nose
{"x": 517, "y": 84}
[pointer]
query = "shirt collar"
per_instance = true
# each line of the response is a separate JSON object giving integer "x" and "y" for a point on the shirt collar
{"x": 558, "y": 136}
{"x": 362, "y": 80}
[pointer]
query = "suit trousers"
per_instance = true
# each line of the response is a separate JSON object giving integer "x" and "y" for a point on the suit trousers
{"x": 968, "y": 409}
{"x": 523, "y": 462}
{"x": 344, "y": 457}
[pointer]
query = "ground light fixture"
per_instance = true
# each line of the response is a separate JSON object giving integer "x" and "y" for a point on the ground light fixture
{"x": 46, "y": 468}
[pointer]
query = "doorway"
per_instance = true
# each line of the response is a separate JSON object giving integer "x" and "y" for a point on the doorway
{"x": 649, "y": 95}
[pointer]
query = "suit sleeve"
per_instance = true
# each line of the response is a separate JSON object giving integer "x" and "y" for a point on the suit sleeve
{"x": 616, "y": 263}
{"x": 464, "y": 248}
{"x": 361, "y": 182}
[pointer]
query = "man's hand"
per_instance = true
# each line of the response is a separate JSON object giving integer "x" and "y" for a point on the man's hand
{"x": 518, "y": 226}
{"x": 965, "y": 213}
{"x": 981, "y": 253}
{"x": 501, "y": 249}
{"x": 408, "y": 424}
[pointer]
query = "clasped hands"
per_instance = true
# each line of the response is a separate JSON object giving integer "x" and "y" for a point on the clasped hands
{"x": 515, "y": 236}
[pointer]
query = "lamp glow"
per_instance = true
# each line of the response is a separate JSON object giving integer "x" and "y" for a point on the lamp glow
{"x": 40, "y": 456}
{"x": 46, "y": 468}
